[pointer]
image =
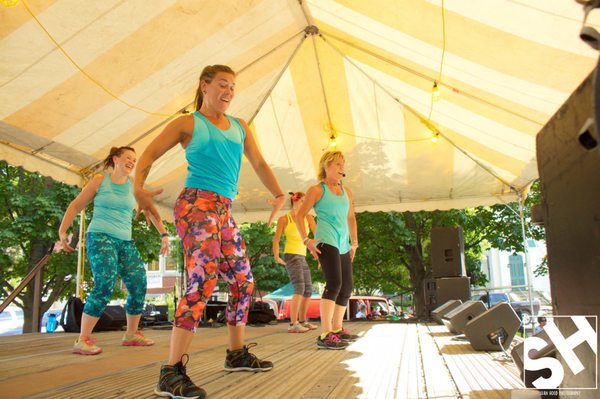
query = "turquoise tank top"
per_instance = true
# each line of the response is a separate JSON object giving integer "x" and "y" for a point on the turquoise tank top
{"x": 214, "y": 156}
{"x": 113, "y": 209}
{"x": 332, "y": 219}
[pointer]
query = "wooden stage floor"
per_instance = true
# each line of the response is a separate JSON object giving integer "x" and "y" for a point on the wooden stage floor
{"x": 390, "y": 360}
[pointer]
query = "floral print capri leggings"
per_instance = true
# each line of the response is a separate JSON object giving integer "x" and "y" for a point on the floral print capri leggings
{"x": 213, "y": 247}
{"x": 108, "y": 258}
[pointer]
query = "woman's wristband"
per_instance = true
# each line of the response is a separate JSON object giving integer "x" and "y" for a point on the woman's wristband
{"x": 163, "y": 235}
{"x": 306, "y": 240}
{"x": 279, "y": 195}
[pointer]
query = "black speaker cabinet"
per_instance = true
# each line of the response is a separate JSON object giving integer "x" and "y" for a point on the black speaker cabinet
{"x": 447, "y": 252}
{"x": 441, "y": 290}
{"x": 457, "y": 319}
{"x": 494, "y": 329}
{"x": 568, "y": 157}
{"x": 113, "y": 318}
{"x": 441, "y": 310}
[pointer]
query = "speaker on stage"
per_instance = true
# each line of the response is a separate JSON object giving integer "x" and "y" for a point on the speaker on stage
{"x": 457, "y": 319}
{"x": 441, "y": 310}
{"x": 494, "y": 329}
{"x": 441, "y": 290}
{"x": 528, "y": 377}
{"x": 113, "y": 318}
{"x": 447, "y": 252}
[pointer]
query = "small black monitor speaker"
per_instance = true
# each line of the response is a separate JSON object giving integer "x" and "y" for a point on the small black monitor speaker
{"x": 494, "y": 329}
{"x": 445, "y": 308}
{"x": 457, "y": 319}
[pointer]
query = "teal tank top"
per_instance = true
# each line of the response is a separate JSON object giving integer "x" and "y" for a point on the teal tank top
{"x": 113, "y": 209}
{"x": 332, "y": 219}
{"x": 214, "y": 156}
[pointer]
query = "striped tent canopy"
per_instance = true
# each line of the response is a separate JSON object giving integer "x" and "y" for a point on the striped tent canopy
{"x": 77, "y": 77}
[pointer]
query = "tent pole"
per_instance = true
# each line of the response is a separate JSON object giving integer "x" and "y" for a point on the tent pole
{"x": 287, "y": 64}
{"x": 526, "y": 258}
{"x": 80, "y": 254}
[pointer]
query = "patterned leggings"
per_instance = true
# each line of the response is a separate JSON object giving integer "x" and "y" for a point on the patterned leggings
{"x": 108, "y": 258}
{"x": 213, "y": 246}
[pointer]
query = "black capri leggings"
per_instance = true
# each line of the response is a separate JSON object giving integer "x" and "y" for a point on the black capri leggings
{"x": 338, "y": 274}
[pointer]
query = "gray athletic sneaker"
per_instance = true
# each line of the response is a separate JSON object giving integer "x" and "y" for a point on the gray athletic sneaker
{"x": 297, "y": 328}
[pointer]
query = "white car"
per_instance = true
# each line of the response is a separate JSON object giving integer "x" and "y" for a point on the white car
{"x": 11, "y": 321}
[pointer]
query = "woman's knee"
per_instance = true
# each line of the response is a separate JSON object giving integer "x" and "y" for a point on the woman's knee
{"x": 332, "y": 289}
{"x": 299, "y": 288}
{"x": 96, "y": 303}
{"x": 343, "y": 298}
{"x": 307, "y": 290}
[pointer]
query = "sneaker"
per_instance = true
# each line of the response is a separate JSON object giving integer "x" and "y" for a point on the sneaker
{"x": 86, "y": 346}
{"x": 345, "y": 336}
{"x": 331, "y": 341}
{"x": 175, "y": 383}
{"x": 306, "y": 324}
{"x": 297, "y": 328}
{"x": 242, "y": 360}
{"x": 137, "y": 339}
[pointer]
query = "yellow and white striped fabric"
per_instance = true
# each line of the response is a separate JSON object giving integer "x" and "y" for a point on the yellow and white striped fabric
{"x": 77, "y": 77}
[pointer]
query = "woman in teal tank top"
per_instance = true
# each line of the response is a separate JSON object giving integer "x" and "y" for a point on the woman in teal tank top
{"x": 334, "y": 245}
{"x": 110, "y": 250}
{"x": 212, "y": 243}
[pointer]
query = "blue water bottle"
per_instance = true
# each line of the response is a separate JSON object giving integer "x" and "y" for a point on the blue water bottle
{"x": 51, "y": 323}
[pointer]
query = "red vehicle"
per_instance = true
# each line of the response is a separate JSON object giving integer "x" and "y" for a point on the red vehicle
{"x": 376, "y": 305}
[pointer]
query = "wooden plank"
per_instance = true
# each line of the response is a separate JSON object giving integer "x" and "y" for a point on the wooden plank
{"x": 391, "y": 360}
{"x": 438, "y": 381}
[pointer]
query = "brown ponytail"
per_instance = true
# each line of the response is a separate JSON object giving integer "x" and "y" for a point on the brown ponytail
{"x": 207, "y": 75}
{"x": 114, "y": 151}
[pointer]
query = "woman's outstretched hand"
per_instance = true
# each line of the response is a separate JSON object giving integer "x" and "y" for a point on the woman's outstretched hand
{"x": 312, "y": 247}
{"x": 65, "y": 243}
{"x": 276, "y": 203}
{"x": 145, "y": 202}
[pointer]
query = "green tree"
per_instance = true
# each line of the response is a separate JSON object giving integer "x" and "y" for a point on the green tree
{"x": 31, "y": 212}
{"x": 32, "y": 207}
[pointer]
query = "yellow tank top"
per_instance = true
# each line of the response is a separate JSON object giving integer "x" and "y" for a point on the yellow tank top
{"x": 293, "y": 241}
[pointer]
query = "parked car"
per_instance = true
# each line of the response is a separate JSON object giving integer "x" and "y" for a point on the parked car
{"x": 11, "y": 321}
{"x": 377, "y": 307}
{"x": 522, "y": 308}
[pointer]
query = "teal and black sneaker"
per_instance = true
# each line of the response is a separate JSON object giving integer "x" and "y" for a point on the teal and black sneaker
{"x": 243, "y": 360}
{"x": 175, "y": 383}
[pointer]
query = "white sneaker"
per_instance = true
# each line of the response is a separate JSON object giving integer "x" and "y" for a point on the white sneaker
{"x": 297, "y": 328}
{"x": 308, "y": 325}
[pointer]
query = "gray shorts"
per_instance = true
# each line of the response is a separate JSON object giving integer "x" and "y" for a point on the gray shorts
{"x": 299, "y": 273}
